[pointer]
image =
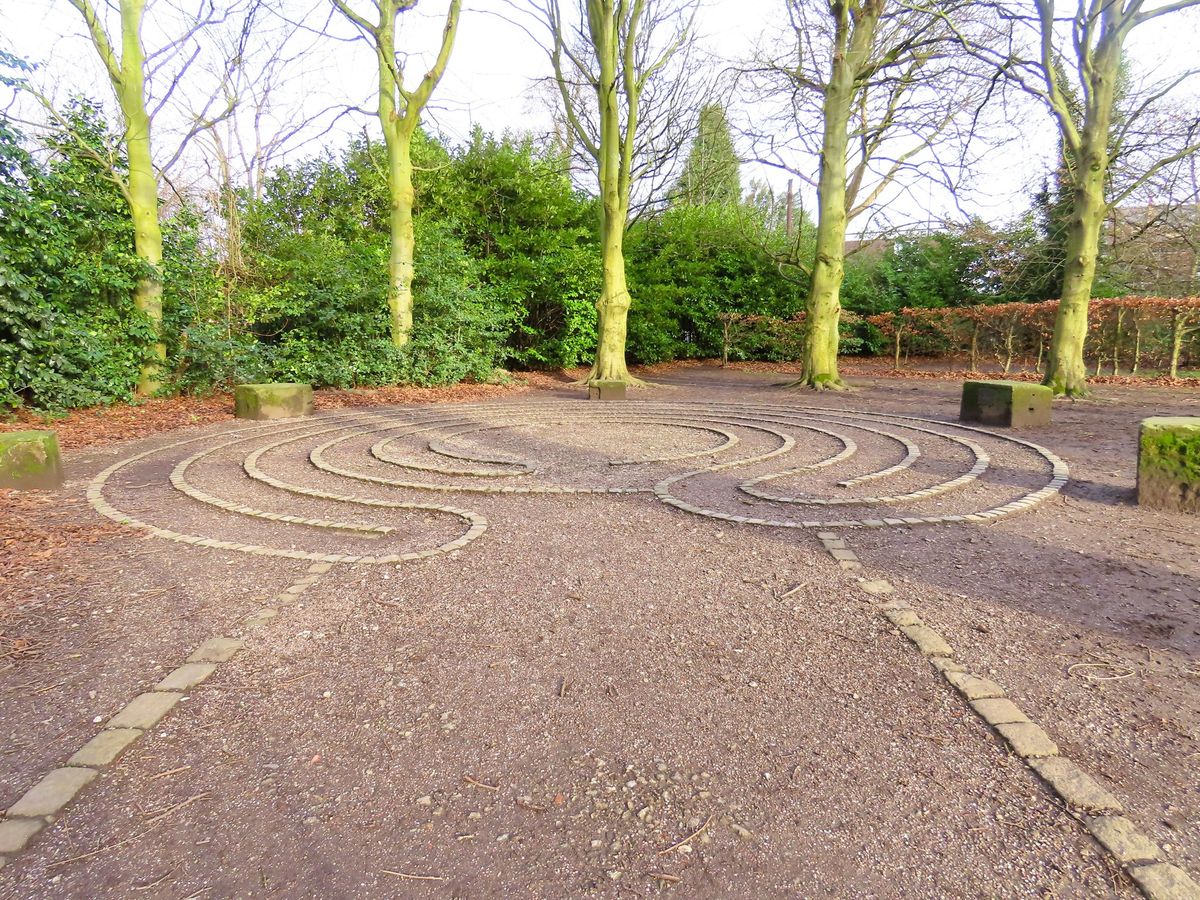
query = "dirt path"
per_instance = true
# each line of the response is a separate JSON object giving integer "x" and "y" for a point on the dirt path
{"x": 601, "y": 675}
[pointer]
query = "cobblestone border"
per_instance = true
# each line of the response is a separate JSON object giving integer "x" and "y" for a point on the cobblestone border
{"x": 42, "y": 804}
{"x": 1097, "y": 810}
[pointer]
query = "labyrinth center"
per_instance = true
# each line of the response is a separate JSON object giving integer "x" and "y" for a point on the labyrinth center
{"x": 411, "y": 483}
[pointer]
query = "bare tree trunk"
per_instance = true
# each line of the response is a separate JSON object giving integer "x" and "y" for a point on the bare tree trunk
{"x": 400, "y": 236}
{"x": 399, "y": 114}
{"x": 140, "y": 187}
{"x": 613, "y": 306}
{"x": 1177, "y": 321}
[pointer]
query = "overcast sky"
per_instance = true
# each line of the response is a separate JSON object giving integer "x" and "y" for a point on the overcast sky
{"x": 491, "y": 81}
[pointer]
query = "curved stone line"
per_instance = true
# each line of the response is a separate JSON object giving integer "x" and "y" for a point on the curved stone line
{"x": 982, "y": 461}
{"x": 665, "y": 413}
{"x": 316, "y": 457}
{"x": 730, "y": 439}
{"x": 95, "y": 494}
{"x": 1059, "y": 469}
{"x": 438, "y": 446}
{"x": 911, "y": 454}
{"x": 1059, "y": 476}
{"x": 178, "y": 478}
{"x": 379, "y": 451}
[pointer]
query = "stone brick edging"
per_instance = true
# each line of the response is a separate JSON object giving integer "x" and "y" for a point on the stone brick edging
{"x": 1093, "y": 806}
{"x": 40, "y": 805}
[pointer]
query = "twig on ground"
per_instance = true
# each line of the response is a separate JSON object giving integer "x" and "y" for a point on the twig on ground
{"x": 297, "y": 678}
{"x": 483, "y": 784}
{"x": 690, "y": 837}
{"x": 1128, "y": 671}
{"x": 410, "y": 877}
{"x": 663, "y": 876}
{"x": 152, "y": 884}
{"x": 168, "y": 772}
{"x": 178, "y": 806}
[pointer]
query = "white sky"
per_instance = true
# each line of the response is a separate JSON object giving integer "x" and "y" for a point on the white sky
{"x": 491, "y": 80}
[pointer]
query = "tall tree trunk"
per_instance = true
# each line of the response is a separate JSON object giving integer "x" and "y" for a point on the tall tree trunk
{"x": 854, "y": 40}
{"x": 823, "y": 308}
{"x": 401, "y": 241}
{"x": 1177, "y": 321}
{"x": 147, "y": 244}
{"x": 141, "y": 190}
{"x": 1066, "y": 373}
{"x": 399, "y": 113}
{"x": 613, "y": 305}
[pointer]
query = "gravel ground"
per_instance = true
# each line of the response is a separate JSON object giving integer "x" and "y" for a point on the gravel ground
{"x": 601, "y": 677}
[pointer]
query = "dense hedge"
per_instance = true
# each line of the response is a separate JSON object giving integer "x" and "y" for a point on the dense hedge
{"x": 507, "y": 274}
{"x": 1134, "y": 332}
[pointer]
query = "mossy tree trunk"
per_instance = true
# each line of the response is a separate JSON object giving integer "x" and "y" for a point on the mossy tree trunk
{"x": 1066, "y": 372}
{"x": 140, "y": 185}
{"x": 613, "y": 305}
{"x": 401, "y": 240}
{"x": 399, "y": 114}
{"x": 1089, "y": 144}
{"x": 854, "y": 41}
{"x": 622, "y": 61}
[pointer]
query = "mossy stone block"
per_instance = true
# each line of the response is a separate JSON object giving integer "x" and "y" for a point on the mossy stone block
{"x": 272, "y": 401}
{"x": 1169, "y": 463}
{"x": 29, "y": 460}
{"x": 1011, "y": 404}
{"x": 606, "y": 390}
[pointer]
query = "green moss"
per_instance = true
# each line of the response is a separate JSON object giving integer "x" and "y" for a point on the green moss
{"x": 30, "y": 459}
{"x": 1171, "y": 447}
{"x": 272, "y": 401}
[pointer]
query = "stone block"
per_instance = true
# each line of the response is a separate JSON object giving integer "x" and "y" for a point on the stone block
{"x": 1163, "y": 881}
{"x": 606, "y": 390}
{"x": 186, "y": 677}
{"x": 1011, "y": 404}
{"x": 1027, "y": 740}
{"x": 272, "y": 401}
{"x": 16, "y": 833}
{"x": 30, "y": 460}
{"x": 52, "y": 793}
{"x": 1123, "y": 840}
{"x": 145, "y": 710}
{"x": 1076, "y": 787}
{"x": 105, "y": 747}
{"x": 998, "y": 711}
{"x": 216, "y": 650}
{"x": 1169, "y": 463}
{"x": 972, "y": 687}
{"x": 928, "y": 641}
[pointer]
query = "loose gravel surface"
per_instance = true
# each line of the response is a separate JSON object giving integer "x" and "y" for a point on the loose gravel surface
{"x": 604, "y": 693}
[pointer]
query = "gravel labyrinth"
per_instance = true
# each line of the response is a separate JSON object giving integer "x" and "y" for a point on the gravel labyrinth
{"x": 595, "y": 652}
{"x": 332, "y": 481}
